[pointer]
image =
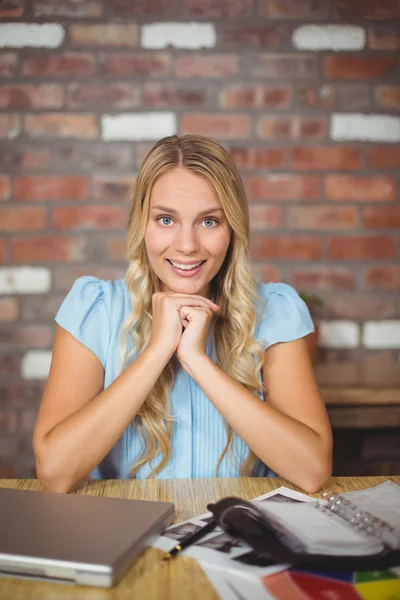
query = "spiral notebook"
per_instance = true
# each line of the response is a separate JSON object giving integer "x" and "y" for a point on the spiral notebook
{"x": 362, "y": 523}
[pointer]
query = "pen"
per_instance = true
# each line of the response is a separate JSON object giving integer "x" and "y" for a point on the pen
{"x": 191, "y": 539}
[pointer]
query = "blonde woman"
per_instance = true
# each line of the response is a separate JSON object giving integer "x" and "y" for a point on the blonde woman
{"x": 188, "y": 366}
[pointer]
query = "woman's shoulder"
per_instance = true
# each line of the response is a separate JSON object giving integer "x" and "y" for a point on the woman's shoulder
{"x": 283, "y": 316}
{"x": 93, "y": 310}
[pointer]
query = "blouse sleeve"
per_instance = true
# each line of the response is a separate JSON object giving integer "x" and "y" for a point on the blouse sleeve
{"x": 285, "y": 316}
{"x": 84, "y": 314}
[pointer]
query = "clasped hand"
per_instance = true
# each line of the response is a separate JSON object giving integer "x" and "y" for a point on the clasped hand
{"x": 181, "y": 323}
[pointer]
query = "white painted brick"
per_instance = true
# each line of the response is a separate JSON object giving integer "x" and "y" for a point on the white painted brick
{"x": 25, "y": 280}
{"x": 339, "y": 334}
{"x": 179, "y": 35}
{"x": 139, "y": 126}
{"x": 374, "y": 128}
{"x": 35, "y": 364}
{"x": 32, "y": 35}
{"x": 381, "y": 334}
{"x": 329, "y": 37}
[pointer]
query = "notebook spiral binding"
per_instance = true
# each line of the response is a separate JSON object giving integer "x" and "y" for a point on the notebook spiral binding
{"x": 360, "y": 519}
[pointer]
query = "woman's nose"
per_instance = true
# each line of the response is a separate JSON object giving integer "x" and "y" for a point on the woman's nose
{"x": 187, "y": 240}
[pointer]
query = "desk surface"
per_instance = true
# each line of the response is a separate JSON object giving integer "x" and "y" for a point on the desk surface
{"x": 150, "y": 578}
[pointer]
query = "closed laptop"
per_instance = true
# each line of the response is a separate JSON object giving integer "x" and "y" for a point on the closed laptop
{"x": 87, "y": 540}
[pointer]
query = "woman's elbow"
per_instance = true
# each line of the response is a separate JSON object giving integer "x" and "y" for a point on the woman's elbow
{"x": 315, "y": 480}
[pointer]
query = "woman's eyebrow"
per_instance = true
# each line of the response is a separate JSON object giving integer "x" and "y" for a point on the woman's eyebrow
{"x": 175, "y": 212}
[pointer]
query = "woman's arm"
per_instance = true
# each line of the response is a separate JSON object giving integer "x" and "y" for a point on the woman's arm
{"x": 290, "y": 431}
{"x": 78, "y": 423}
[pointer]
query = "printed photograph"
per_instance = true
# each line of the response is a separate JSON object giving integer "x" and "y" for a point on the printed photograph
{"x": 181, "y": 531}
{"x": 280, "y": 498}
{"x": 255, "y": 559}
{"x": 222, "y": 543}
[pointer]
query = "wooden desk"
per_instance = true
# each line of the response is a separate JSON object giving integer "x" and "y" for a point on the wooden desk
{"x": 361, "y": 395}
{"x": 150, "y": 578}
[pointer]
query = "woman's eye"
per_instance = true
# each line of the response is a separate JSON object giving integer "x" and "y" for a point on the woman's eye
{"x": 212, "y": 220}
{"x": 208, "y": 219}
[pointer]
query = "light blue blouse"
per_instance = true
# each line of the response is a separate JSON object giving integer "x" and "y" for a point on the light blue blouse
{"x": 93, "y": 312}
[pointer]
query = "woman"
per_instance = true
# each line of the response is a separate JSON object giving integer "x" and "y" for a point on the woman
{"x": 179, "y": 370}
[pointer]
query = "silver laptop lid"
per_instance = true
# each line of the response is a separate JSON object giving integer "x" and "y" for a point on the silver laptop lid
{"x": 84, "y": 539}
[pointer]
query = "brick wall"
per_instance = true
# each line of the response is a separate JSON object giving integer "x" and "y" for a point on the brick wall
{"x": 306, "y": 97}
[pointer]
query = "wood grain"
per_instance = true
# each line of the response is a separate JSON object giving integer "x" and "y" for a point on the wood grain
{"x": 151, "y": 578}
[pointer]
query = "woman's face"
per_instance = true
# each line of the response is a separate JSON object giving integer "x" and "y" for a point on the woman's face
{"x": 186, "y": 226}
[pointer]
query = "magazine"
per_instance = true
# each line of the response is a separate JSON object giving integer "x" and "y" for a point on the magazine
{"x": 219, "y": 551}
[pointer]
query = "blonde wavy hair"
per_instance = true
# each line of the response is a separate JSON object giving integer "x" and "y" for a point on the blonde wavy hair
{"x": 234, "y": 287}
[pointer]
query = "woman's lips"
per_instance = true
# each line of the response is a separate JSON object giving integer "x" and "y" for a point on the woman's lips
{"x": 190, "y": 273}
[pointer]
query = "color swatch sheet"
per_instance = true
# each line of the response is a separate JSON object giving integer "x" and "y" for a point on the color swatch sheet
{"x": 295, "y": 584}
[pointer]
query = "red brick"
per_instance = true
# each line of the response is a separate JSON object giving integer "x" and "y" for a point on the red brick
{"x": 384, "y": 157}
{"x": 89, "y": 218}
{"x": 142, "y": 150}
{"x": 27, "y": 336}
{"x": 72, "y": 156}
{"x": 8, "y": 63}
{"x": 22, "y": 219}
{"x": 388, "y": 96}
{"x": 292, "y": 9}
{"x": 40, "y": 307}
{"x": 5, "y": 188}
{"x": 385, "y": 277}
{"x": 224, "y": 9}
{"x": 46, "y": 95}
{"x": 103, "y": 95}
{"x": 256, "y": 96}
{"x": 256, "y": 158}
{"x": 27, "y": 158}
{"x": 242, "y": 36}
{"x": 361, "y": 248}
{"x": 59, "y": 125}
{"x": 116, "y": 249}
{"x": 323, "y": 278}
{"x": 382, "y": 10}
{"x": 358, "y": 306}
{"x": 352, "y": 96}
{"x": 11, "y": 9}
{"x": 111, "y": 188}
{"x": 104, "y": 35}
{"x": 360, "y": 189}
{"x": 120, "y": 64}
{"x": 316, "y": 95}
{"x": 9, "y": 309}
{"x": 285, "y": 186}
{"x": 292, "y": 127}
{"x": 8, "y": 421}
{"x": 10, "y": 127}
{"x": 266, "y": 273}
{"x": 322, "y": 217}
{"x": 326, "y": 158}
{"x": 221, "y": 126}
{"x": 213, "y": 66}
{"x": 66, "y": 64}
{"x": 48, "y": 249}
{"x": 8, "y": 364}
{"x": 3, "y": 251}
{"x": 293, "y": 247}
{"x": 138, "y": 7}
{"x": 358, "y": 67}
{"x": 384, "y": 39}
{"x": 381, "y": 218}
{"x": 64, "y": 276}
{"x": 282, "y": 66}
{"x": 71, "y": 8}
{"x": 172, "y": 94}
{"x": 263, "y": 216}
{"x": 51, "y": 187}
